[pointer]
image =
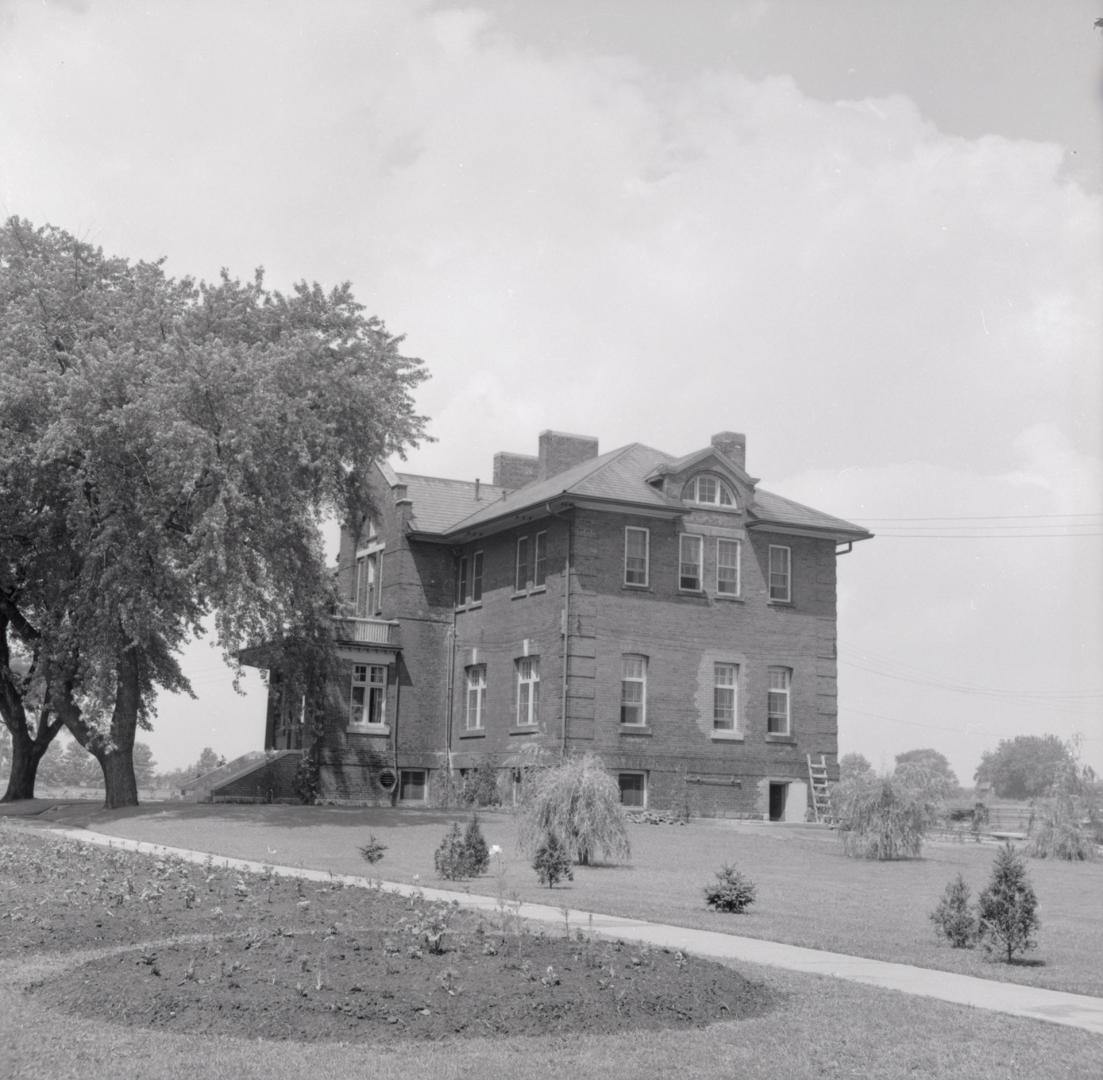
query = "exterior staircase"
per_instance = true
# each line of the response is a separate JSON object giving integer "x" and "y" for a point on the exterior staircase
{"x": 232, "y": 780}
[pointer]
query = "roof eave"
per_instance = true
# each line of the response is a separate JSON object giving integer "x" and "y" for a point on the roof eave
{"x": 824, "y": 532}
{"x": 519, "y": 515}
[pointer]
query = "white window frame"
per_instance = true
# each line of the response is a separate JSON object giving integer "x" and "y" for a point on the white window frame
{"x": 722, "y": 494}
{"x": 779, "y": 701}
{"x": 462, "y": 570}
{"x": 691, "y": 539}
{"x": 725, "y": 698}
{"x": 643, "y": 575}
{"x": 476, "y": 577}
{"x": 475, "y": 698}
{"x": 366, "y": 601}
{"x": 633, "y": 690}
{"x": 780, "y": 574}
{"x": 369, "y": 684}
{"x": 540, "y": 560}
{"x": 737, "y": 566}
{"x": 522, "y": 567}
{"x": 642, "y": 804}
{"x": 528, "y": 691}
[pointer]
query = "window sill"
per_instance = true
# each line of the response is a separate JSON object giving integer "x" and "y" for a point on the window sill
{"x": 528, "y": 729}
{"x": 727, "y": 736}
{"x": 780, "y": 603}
{"x": 635, "y": 729}
{"x": 791, "y": 739}
{"x": 479, "y": 733}
{"x": 368, "y": 729}
{"x": 636, "y": 586}
{"x": 729, "y": 598}
{"x": 474, "y": 605}
{"x": 538, "y": 589}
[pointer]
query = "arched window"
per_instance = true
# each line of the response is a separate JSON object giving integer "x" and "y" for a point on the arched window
{"x": 708, "y": 490}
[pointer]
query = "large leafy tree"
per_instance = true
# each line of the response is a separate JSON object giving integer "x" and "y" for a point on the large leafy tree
{"x": 1024, "y": 767}
{"x": 168, "y": 450}
{"x": 929, "y": 768}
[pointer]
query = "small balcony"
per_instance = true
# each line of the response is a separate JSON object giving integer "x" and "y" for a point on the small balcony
{"x": 361, "y": 631}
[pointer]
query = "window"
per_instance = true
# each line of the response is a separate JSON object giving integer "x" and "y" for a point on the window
{"x": 777, "y": 701}
{"x": 528, "y": 691}
{"x": 367, "y": 587}
{"x": 469, "y": 579}
{"x": 476, "y": 696}
{"x": 727, "y": 567}
{"x": 633, "y": 789}
{"x": 412, "y": 785}
{"x": 725, "y": 697}
{"x": 461, "y": 582}
{"x": 521, "y": 575}
{"x": 780, "y": 576}
{"x": 633, "y": 691}
{"x": 636, "y": 545}
{"x": 689, "y": 562}
{"x": 477, "y": 578}
{"x": 540, "y": 560}
{"x": 368, "y": 701}
{"x": 709, "y": 491}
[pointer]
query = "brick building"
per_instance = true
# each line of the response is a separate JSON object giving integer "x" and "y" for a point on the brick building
{"x": 664, "y": 612}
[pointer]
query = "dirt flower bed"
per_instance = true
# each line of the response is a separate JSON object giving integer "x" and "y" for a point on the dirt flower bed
{"x": 285, "y": 959}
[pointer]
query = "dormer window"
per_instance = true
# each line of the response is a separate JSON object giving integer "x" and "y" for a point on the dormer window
{"x": 708, "y": 490}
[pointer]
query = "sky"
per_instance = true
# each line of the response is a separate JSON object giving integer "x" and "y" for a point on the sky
{"x": 865, "y": 234}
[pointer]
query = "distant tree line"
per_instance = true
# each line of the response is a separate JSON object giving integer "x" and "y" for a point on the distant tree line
{"x": 66, "y": 764}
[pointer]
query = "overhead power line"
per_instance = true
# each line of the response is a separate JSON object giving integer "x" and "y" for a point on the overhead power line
{"x": 888, "y": 668}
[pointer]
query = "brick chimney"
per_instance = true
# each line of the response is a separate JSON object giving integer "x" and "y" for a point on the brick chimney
{"x": 512, "y": 471}
{"x": 560, "y": 451}
{"x": 733, "y": 446}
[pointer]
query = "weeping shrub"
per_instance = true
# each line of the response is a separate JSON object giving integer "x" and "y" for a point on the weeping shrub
{"x": 883, "y": 817}
{"x": 1064, "y": 822}
{"x": 579, "y": 803}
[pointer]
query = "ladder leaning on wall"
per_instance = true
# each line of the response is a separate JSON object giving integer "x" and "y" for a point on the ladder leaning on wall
{"x": 821, "y": 795}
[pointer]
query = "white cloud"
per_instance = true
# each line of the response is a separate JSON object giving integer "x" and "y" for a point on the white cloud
{"x": 580, "y": 243}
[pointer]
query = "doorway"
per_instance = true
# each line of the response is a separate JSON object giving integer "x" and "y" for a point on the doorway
{"x": 779, "y": 793}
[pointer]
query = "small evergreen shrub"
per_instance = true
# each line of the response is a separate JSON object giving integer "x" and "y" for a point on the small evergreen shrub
{"x": 954, "y": 918}
{"x": 462, "y": 853}
{"x": 552, "y": 861}
{"x": 475, "y": 849}
{"x": 1008, "y": 907}
{"x": 731, "y": 891}
{"x": 450, "y": 859}
{"x": 373, "y": 850}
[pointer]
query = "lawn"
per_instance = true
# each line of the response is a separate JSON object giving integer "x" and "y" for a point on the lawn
{"x": 58, "y": 899}
{"x": 809, "y": 893}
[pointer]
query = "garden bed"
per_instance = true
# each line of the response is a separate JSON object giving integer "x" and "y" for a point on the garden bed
{"x": 190, "y": 948}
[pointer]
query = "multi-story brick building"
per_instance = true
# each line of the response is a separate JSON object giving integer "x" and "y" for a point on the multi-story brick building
{"x": 663, "y": 612}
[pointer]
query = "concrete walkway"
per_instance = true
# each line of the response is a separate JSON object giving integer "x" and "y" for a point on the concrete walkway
{"x": 1053, "y": 1006}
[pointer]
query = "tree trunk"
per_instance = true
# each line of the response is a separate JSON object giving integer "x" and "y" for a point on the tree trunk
{"x": 115, "y": 750}
{"x": 118, "y": 777}
{"x": 26, "y": 753}
{"x": 118, "y": 762}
